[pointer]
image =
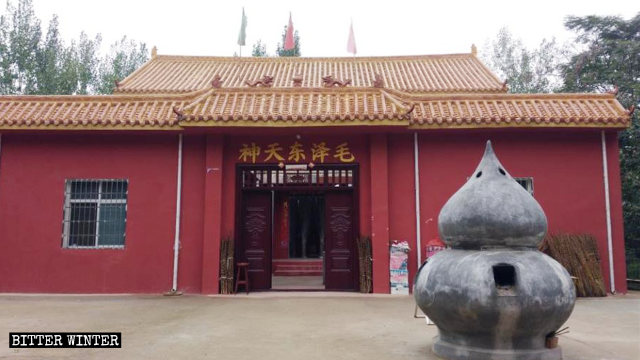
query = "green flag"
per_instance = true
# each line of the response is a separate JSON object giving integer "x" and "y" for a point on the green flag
{"x": 242, "y": 36}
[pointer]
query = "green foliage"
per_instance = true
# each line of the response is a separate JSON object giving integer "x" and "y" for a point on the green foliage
{"x": 525, "y": 70}
{"x": 259, "y": 49}
{"x": 22, "y": 41}
{"x": 296, "y": 48}
{"x": 125, "y": 57}
{"x": 31, "y": 64}
{"x": 611, "y": 58}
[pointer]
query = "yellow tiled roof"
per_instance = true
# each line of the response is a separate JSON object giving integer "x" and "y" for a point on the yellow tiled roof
{"x": 278, "y": 107}
{"x": 295, "y": 106}
{"x": 518, "y": 110}
{"x": 424, "y": 74}
{"x": 85, "y": 112}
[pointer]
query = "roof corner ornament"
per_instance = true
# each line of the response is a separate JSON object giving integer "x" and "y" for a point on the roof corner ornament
{"x": 378, "y": 81}
{"x": 505, "y": 87}
{"x": 217, "y": 81}
{"x": 154, "y": 52}
{"x": 266, "y": 81}
{"x": 474, "y": 50}
{"x": 329, "y": 81}
{"x": 407, "y": 115}
{"x": 613, "y": 91}
{"x": 116, "y": 83}
{"x": 632, "y": 108}
{"x": 297, "y": 80}
{"x": 179, "y": 113}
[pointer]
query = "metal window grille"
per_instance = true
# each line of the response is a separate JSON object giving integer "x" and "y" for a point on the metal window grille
{"x": 95, "y": 213}
{"x": 526, "y": 182}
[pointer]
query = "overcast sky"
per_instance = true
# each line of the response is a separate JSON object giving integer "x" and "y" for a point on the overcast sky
{"x": 391, "y": 27}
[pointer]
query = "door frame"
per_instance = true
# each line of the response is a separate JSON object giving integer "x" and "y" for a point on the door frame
{"x": 327, "y": 186}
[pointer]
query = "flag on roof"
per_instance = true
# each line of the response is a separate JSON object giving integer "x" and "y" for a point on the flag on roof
{"x": 289, "y": 43}
{"x": 351, "y": 43}
{"x": 242, "y": 36}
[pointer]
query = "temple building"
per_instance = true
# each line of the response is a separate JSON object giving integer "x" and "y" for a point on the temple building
{"x": 294, "y": 159}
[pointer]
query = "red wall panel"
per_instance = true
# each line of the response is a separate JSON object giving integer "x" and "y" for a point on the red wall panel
{"x": 402, "y": 204}
{"x": 566, "y": 168}
{"x": 192, "y": 217}
{"x": 32, "y": 178}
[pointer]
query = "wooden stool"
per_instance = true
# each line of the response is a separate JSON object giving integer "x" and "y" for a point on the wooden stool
{"x": 243, "y": 268}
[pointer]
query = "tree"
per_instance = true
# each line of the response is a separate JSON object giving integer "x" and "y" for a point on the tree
{"x": 125, "y": 57}
{"x": 6, "y": 82}
{"x": 23, "y": 40}
{"x": 525, "y": 70}
{"x": 30, "y": 64}
{"x": 48, "y": 60}
{"x": 291, "y": 52}
{"x": 259, "y": 49}
{"x": 612, "y": 58}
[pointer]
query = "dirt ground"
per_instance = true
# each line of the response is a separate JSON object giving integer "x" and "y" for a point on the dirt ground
{"x": 282, "y": 325}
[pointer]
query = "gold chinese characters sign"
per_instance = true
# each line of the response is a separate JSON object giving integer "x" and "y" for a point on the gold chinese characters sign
{"x": 318, "y": 152}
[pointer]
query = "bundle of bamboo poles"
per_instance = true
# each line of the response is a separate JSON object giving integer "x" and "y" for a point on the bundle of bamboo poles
{"x": 226, "y": 266}
{"x": 365, "y": 264}
{"x": 578, "y": 253}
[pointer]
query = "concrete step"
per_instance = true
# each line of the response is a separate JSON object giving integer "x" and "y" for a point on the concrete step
{"x": 297, "y": 267}
{"x": 297, "y": 272}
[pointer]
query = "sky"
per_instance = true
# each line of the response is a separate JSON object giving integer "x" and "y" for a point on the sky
{"x": 382, "y": 28}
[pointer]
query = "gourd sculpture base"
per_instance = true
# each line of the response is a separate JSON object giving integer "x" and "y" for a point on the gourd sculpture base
{"x": 495, "y": 304}
{"x": 459, "y": 352}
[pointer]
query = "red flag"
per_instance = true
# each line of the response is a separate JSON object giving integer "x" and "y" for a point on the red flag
{"x": 351, "y": 43}
{"x": 289, "y": 43}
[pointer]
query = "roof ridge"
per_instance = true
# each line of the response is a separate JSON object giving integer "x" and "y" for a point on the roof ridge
{"x": 304, "y": 58}
{"x": 408, "y": 96}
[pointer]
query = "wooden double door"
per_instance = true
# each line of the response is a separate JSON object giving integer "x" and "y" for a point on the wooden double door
{"x": 340, "y": 260}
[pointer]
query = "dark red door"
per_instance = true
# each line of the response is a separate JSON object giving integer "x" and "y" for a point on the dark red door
{"x": 256, "y": 237}
{"x": 339, "y": 241}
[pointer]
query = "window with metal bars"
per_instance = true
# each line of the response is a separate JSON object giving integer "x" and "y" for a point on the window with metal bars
{"x": 95, "y": 213}
{"x": 526, "y": 182}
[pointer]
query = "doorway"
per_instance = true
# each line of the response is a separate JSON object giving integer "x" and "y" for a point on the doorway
{"x": 306, "y": 226}
{"x": 298, "y": 226}
{"x": 298, "y": 242}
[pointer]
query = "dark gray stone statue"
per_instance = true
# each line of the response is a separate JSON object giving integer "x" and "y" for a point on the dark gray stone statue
{"x": 492, "y": 294}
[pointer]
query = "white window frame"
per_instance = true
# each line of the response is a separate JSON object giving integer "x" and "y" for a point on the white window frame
{"x": 66, "y": 224}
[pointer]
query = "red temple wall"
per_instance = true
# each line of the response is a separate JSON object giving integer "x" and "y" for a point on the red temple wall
{"x": 567, "y": 177}
{"x": 402, "y": 220}
{"x": 192, "y": 217}
{"x": 32, "y": 177}
{"x": 566, "y": 167}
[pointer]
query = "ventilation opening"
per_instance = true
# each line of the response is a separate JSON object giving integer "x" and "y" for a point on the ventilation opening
{"x": 504, "y": 275}
{"x": 479, "y": 174}
{"x": 502, "y": 171}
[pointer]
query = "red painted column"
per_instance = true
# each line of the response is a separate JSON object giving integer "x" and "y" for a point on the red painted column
{"x": 617, "y": 227}
{"x": 214, "y": 150}
{"x": 380, "y": 212}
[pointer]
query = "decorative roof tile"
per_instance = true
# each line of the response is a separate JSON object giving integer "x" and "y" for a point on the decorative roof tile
{"x": 89, "y": 112}
{"x": 294, "y": 107}
{"x": 277, "y": 107}
{"x": 517, "y": 110}
{"x": 424, "y": 74}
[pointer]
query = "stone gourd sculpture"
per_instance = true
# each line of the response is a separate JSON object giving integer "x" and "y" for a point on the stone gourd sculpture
{"x": 492, "y": 294}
